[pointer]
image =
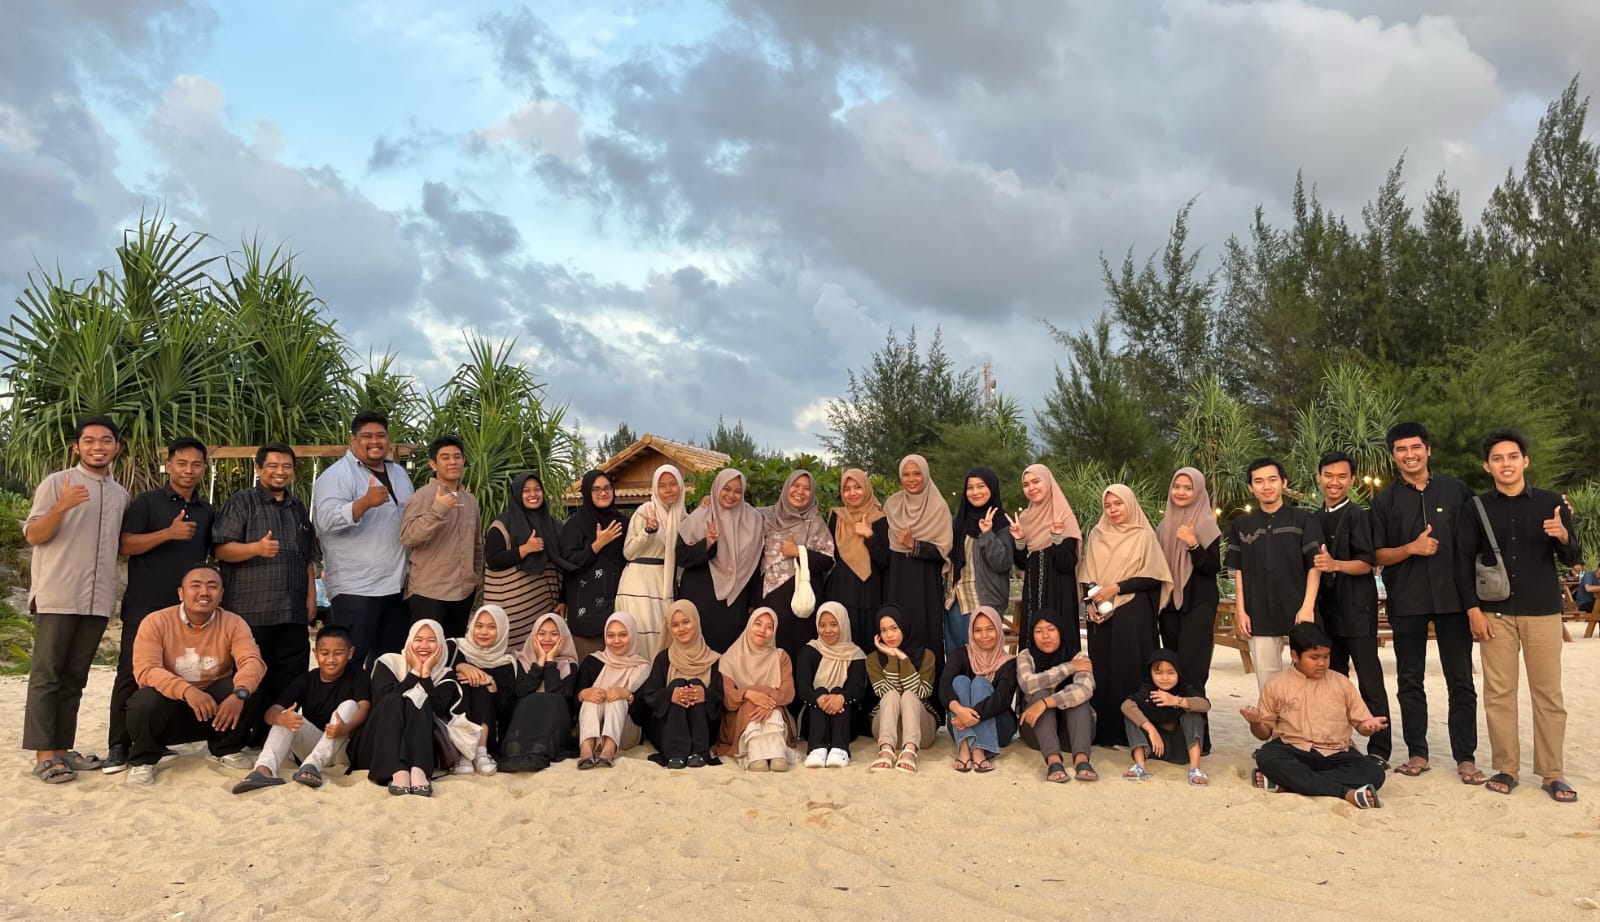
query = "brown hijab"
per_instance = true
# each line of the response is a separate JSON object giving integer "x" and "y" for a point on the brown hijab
{"x": 751, "y": 665}
{"x": 924, "y": 512}
{"x": 1038, "y": 517}
{"x": 1196, "y": 515}
{"x": 691, "y": 659}
{"x": 851, "y": 546}
{"x": 986, "y": 663}
{"x": 738, "y": 537}
{"x": 1115, "y": 553}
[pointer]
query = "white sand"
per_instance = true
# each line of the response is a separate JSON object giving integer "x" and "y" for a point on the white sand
{"x": 637, "y": 841}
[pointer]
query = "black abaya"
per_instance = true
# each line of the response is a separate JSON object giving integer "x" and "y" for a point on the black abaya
{"x": 1050, "y": 582}
{"x": 540, "y": 730}
{"x": 860, "y": 597}
{"x": 399, "y": 736}
{"x": 1120, "y": 649}
{"x": 721, "y": 622}
{"x": 915, "y": 583}
{"x": 677, "y": 732}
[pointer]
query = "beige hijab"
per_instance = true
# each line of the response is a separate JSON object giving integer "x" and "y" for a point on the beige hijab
{"x": 566, "y": 655}
{"x": 986, "y": 663}
{"x": 738, "y": 537}
{"x": 628, "y": 670}
{"x": 396, "y": 662}
{"x": 1196, "y": 515}
{"x": 751, "y": 665}
{"x": 668, "y": 520}
{"x": 781, "y": 520}
{"x": 1038, "y": 517}
{"x": 495, "y": 654}
{"x": 691, "y": 659}
{"x": 836, "y": 657}
{"x": 925, "y": 513}
{"x": 851, "y": 546}
{"x": 1115, "y": 553}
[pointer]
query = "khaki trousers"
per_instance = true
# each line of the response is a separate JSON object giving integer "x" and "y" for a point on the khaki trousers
{"x": 1538, "y": 639}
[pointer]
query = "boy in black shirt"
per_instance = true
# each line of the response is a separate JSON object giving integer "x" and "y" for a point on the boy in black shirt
{"x": 1271, "y": 551}
{"x": 314, "y": 715}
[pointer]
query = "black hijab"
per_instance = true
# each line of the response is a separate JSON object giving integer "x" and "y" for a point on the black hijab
{"x": 1156, "y": 714}
{"x": 522, "y": 523}
{"x": 590, "y": 517}
{"x": 911, "y": 644}
{"x": 1042, "y": 660}
{"x": 967, "y": 517}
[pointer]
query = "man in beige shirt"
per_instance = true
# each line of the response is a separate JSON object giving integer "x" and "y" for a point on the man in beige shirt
{"x": 74, "y": 528}
{"x": 1306, "y": 715}
{"x": 442, "y": 530}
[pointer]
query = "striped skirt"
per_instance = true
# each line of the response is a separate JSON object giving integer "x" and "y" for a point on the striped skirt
{"x": 524, "y": 597}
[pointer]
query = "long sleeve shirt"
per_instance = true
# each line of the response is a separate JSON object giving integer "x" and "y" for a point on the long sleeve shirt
{"x": 1065, "y": 685}
{"x": 172, "y": 654}
{"x": 362, "y": 558}
{"x": 445, "y": 544}
{"x": 1530, "y": 555}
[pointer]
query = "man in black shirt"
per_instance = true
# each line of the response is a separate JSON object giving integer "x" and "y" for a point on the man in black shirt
{"x": 1532, "y": 529}
{"x": 1413, "y": 526}
{"x": 1271, "y": 552}
{"x": 164, "y": 532}
{"x": 1347, "y": 598}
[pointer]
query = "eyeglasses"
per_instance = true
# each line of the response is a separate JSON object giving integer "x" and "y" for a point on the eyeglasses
{"x": 598, "y": 488}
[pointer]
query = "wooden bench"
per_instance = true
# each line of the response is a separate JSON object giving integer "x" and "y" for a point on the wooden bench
{"x": 1222, "y": 635}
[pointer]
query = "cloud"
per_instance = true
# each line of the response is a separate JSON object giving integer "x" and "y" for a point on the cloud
{"x": 484, "y": 232}
{"x": 549, "y": 127}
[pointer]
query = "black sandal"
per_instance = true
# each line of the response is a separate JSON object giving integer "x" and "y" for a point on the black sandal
{"x": 1506, "y": 783}
{"x": 1557, "y": 788}
{"x": 1085, "y": 771}
{"x": 1056, "y": 772}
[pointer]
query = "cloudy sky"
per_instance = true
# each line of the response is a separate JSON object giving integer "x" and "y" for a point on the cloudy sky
{"x": 682, "y": 210}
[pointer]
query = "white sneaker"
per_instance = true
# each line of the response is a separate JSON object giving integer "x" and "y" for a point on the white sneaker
{"x": 817, "y": 758}
{"x": 141, "y": 774}
{"x": 464, "y": 767}
{"x": 484, "y": 764}
{"x": 838, "y": 758}
{"x": 234, "y": 760}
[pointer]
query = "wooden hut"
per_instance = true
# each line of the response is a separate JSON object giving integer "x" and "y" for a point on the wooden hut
{"x": 630, "y": 469}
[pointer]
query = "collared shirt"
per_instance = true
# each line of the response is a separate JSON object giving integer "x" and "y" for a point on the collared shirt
{"x": 1273, "y": 551}
{"x": 75, "y": 572}
{"x": 153, "y": 576}
{"x": 266, "y": 590}
{"x": 1530, "y": 554}
{"x": 1400, "y": 512}
{"x": 446, "y": 544}
{"x": 1313, "y": 713}
{"x": 362, "y": 558}
{"x": 1347, "y": 604}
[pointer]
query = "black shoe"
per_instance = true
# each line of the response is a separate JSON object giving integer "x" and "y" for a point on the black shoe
{"x": 697, "y": 760}
{"x": 116, "y": 759}
{"x": 675, "y": 763}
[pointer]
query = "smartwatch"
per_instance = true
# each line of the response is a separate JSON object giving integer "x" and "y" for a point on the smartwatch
{"x": 242, "y": 694}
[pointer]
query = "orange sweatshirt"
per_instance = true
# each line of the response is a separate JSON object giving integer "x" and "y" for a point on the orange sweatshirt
{"x": 172, "y": 656}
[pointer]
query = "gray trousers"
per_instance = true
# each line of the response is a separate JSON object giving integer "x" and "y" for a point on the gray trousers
{"x": 63, "y": 649}
{"x": 1076, "y": 724}
{"x": 1190, "y": 730}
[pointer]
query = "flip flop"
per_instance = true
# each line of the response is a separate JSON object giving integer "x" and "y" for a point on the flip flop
{"x": 1474, "y": 777}
{"x": 1412, "y": 767}
{"x": 54, "y": 771}
{"x": 79, "y": 762}
{"x": 1198, "y": 777}
{"x": 1556, "y": 789}
{"x": 983, "y": 766}
{"x": 255, "y": 781}
{"x": 963, "y": 765}
{"x": 1506, "y": 783}
{"x": 309, "y": 775}
{"x": 1366, "y": 797}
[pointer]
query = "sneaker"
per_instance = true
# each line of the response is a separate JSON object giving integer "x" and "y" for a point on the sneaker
{"x": 464, "y": 767}
{"x": 116, "y": 759}
{"x": 167, "y": 755}
{"x": 142, "y": 774}
{"x": 232, "y": 760}
{"x": 817, "y": 758}
{"x": 838, "y": 758}
{"x": 484, "y": 764}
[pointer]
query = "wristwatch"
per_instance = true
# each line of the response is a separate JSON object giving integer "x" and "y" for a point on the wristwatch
{"x": 243, "y": 694}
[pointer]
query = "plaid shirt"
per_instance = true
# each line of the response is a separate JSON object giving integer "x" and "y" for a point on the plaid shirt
{"x": 266, "y": 590}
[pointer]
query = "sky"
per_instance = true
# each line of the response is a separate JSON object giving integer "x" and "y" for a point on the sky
{"x": 686, "y": 211}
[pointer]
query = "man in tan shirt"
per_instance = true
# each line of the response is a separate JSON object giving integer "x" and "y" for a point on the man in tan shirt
{"x": 1306, "y": 715}
{"x": 198, "y": 669}
{"x": 442, "y": 530}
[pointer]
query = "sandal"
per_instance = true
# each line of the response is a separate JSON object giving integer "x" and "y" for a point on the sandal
{"x": 1136, "y": 773}
{"x": 1501, "y": 783}
{"x": 963, "y": 765}
{"x": 604, "y": 762}
{"x": 1471, "y": 775}
{"x": 1412, "y": 767}
{"x": 1258, "y": 778}
{"x": 587, "y": 763}
{"x": 1056, "y": 772}
{"x": 1198, "y": 777}
{"x": 884, "y": 761}
{"x": 1559, "y": 791}
{"x": 983, "y": 766}
{"x": 255, "y": 781}
{"x": 79, "y": 762}
{"x": 1365, "y": 798}
{"x": 1085, "y": 772}
{"x": 54, "y": 771}
{"x": 908, "y": 761}
{"x": 309, "y": 775}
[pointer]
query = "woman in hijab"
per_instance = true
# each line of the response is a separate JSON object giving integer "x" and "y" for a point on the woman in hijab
{"x": 1126, "y": 581}
{"x": 1057, "y": 686}
{"x": 1047, "y": 537}
{"x": 680, "y": 703}
{"x": 831, "y": 676}
{"x": 977, "y": 688}
{"x": 412, "y": 691}
{"x": 540, "y": 731}
{"x": 1165, "y": 717}
{"x": 757, "y": 689}
{"x": 523, "y": 564}
{"x": 1192, "y": 544}
{"x": 980, "y": 557}
{"x": 592, "y": 543}
{"x": 487, "y": 674}
{"x": 651, "y": 548}
{"x": 901, "y": 671}
{"x": 920, "y": 539}
{"x": 861, "y": 545}
{"x": 719, "y": 549}
{"x": 607, "y": 683}
{"x": 788, "y": 525}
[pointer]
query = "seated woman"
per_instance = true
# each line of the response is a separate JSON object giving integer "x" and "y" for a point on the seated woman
{"x": 488, "y": 675}
{"x": 607, "y": 682}
{"x": 978, "y": 687}
{"x": 540, "y": 729}
{"x": 901, "y": 672}
{"x": 412, "y": 691}
{"x": 1165, "y": 717}
{"x": 680, "y": 703}
{"x": 831, "y": 674}
{"x": 757, "y": 688}
{"x": 1058, "y": 690}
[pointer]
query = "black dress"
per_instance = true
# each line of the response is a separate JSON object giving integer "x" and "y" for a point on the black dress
{"x": 721, "y": 622}
{"x": 1050, "y": 581}
{"x": 1188, "y": 630}
{"x": 1120, "y": 648}
{"x": 915, "y": 582}
{"x": 795, "y": 632}
{"x": 820, "y": 728}
{"x": 677, "y": 732}
{"x": 398, "y": 735}
{"x": 540, "y": 730}
{"x": 482, "y": 706}
{"x": 860, "y": 597}
{"x": 590, "y": 587}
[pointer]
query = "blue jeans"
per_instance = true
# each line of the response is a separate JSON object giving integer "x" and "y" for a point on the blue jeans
{"x": 985, "y": 734}
{"x": 955, "y": 627}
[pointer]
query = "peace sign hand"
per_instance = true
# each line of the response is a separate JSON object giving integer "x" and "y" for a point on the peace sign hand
{"x": 987, "y": 522}
{"x": 1016, "y": 526}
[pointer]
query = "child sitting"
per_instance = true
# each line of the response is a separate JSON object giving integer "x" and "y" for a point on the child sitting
{"x": 1165, "y": 718}
{"x": 314, "y": 715}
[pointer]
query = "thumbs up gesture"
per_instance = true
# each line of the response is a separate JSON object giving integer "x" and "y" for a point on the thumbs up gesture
{"x": 181, "y": 529}
{"x": 1426, "y": 545}
{"x": 267, "y": 547}
{"x": 1323, "y": 561}
{"x": 376, "y": 494}
{"x": 71, "y": 494}
{"x": 1554, "y": 528}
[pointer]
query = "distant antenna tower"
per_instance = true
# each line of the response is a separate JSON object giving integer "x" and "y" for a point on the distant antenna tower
{"x": 988, "y": 388}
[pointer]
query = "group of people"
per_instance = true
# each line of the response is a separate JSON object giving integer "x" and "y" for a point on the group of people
{"x": 774, "y": 636}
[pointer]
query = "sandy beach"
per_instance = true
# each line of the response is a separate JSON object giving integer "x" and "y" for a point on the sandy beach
{"x": 638, "y": 841}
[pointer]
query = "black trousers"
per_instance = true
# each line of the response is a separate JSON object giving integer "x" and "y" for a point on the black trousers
{"x": 156, "y": 722}
{"x": 63, "y": 650}
{"x": 377, "y": 623}
{"x": 1314, "y": 774}
{"x": 1363, "y": 653}
{"x": 828, "y": 731}
{"x": 1454, "y": 637}
{"x": 285, "y": 650}
{"x": 125, "y": 685}
{"x": 452, "y": 616}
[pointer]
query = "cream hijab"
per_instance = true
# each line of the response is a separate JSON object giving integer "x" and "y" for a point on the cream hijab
{"x": 668, "y": 521}
{"x": 753, "y": 665}
{"x": 629, "y": 669}
{"x": 691, "y": 659}
{"x": 396, "y": 662}
{"x": 1039, "y": 516}
{"x": 1115, "y": 553}
{"x": 1198, "y": 516}
{"x": 836, "y": 657}
{"x": 924, "y": 512}
{"x": 738, "y": 537}
{"x": 494, "y": 655}
{"x": 566, "y": 655}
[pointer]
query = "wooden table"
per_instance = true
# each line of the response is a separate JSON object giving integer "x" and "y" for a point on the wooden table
{"x": 1222, "y": 634}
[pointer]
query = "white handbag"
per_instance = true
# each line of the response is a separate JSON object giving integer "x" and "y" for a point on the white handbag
{"x": 805, "y": 599}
